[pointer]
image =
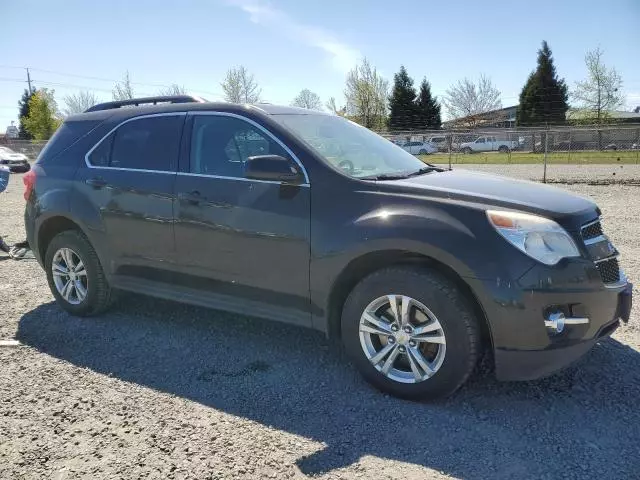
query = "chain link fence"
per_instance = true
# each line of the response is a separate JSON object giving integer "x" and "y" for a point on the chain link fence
{"x": 559, "y": 154}
{"x": 606, "y": 155}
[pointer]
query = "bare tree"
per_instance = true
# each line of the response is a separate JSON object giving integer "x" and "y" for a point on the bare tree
{"x": 79, "y": 102}
{"x": 173, "y": 89}
{"x": 601, "y": 92}
{"x": 469, "y": 100}
{"x": 366, "y": 94}
{"x": 307, "y": 99}
{"x": 123, "y": 90}
{"x": 332, "y": 106}
{"x": 239, "y": 86}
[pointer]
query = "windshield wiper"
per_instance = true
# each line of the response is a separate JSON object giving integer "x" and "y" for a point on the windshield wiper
{"x": 401, "y": 175}
{"x": 386, "y": 176}
{"x": 424, "y": 170}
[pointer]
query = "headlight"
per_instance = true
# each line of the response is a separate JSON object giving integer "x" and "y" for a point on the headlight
{"x": 540, "y": 238}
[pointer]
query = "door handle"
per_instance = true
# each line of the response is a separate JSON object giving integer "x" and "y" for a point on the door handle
{"x": 193, "y": 198}
{"x": 96, "y": 182}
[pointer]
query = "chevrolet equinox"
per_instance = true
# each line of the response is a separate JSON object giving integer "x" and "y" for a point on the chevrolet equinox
{"x": 307, "y": 218}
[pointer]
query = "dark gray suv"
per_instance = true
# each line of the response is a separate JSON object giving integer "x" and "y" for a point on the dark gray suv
{"x": 303, "y": 217}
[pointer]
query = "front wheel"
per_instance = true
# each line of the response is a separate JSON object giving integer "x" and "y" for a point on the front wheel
{"x": 411, "y": 332}
{"x": 467, "y": 150}
{"x": 503, "y": 149}
{"x": 423, "y": 152}
{"x": 75, "y": 275}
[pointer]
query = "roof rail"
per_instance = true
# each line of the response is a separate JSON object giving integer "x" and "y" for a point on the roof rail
{"x": 146, "y": 100}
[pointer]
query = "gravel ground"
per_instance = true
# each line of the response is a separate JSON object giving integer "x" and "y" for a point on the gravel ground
{"x": 154, "y": 389}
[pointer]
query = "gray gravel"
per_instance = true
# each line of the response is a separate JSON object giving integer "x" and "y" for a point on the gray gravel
{"x": 154, "y": 389}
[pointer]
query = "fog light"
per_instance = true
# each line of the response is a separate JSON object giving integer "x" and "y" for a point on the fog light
{"x": 555, "y": 322}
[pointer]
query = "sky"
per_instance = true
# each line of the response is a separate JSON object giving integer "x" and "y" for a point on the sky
{"x": 73, "y": 45}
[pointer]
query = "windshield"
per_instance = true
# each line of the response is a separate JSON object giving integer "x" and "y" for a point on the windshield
{"x": 353, "y": 149}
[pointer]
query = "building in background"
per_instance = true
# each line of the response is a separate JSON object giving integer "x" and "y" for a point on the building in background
{"x": 501, "y": 118}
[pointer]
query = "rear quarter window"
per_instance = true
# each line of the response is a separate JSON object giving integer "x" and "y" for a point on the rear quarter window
{"x": 68, "y": 134}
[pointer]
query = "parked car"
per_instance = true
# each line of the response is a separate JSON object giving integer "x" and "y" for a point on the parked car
{"x": 441, "y": 142}
{"x": 419, "y": 148}
{"x": 17, "y": 162}
{"x": 304, "y": 217}
{"x": 488, "y": 144}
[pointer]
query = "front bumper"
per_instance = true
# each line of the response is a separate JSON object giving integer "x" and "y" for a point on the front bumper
{"x": 524, "y": 348}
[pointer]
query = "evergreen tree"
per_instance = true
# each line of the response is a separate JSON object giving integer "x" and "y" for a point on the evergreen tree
{"x": 428, "y": 108}
{"x": 403, "y": 111}
{"x": 23, "y": 106}
{"x": 544, "y": 98}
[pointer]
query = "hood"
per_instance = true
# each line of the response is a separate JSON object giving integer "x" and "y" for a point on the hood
{"x": 499, "y": 191}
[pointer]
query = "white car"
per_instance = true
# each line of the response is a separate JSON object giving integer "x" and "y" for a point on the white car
{"x": 419, "y": 148}
{"x": 17, "y": 162}
{"x": 489, "y": 144}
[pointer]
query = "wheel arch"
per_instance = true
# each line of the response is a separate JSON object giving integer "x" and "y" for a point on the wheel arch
{"x": 368, "y": 263}
{"x": 51, "y": 227}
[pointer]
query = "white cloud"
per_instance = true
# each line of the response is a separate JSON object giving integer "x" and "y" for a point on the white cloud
{"x": 342, "y": 56}
{"x": 633, "y": 100}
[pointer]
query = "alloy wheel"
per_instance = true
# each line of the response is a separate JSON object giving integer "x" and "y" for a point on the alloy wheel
{"x": 402, "y": 338}
{"x": 69, "y": 276}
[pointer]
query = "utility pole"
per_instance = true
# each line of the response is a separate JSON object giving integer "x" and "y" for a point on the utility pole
{"x": 29, "y": 82}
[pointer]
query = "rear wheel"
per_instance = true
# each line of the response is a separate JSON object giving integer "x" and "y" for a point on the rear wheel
{"x": 411, "y": 333}
{"x": 75, "y": 275}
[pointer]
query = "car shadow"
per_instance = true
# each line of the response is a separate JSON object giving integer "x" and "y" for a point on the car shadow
{"x": 293, "y": 380}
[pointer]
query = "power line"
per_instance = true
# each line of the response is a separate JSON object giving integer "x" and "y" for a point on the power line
{"x": 101, "y": 79}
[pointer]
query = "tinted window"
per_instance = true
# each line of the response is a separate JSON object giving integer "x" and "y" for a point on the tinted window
{"x": 65, "y": 136}
{"x": 220, "y": 145}
{"x": 150, "y": 143}
{"x": 100, "y": 155}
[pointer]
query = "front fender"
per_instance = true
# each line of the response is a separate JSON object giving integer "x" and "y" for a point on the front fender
{"x": 451, "y": 234}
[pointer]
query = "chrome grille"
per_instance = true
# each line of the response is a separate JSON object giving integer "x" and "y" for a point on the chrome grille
{"x": 592, "y": 230}
{"x": 609, "y": 270}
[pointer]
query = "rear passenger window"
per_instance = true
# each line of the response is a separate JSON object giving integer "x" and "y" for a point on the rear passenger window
{"x": 150, "y": 143}
{"x": 100, "y": 155}
{"x": 220, "y": 145}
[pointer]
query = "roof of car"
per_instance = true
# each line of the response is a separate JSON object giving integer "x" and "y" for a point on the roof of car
{"x": 127, "y": 109}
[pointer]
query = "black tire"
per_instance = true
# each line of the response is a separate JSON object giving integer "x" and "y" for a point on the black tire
{"x": 503, "y": 149}
{"x": 98, "y": 296}
{"x": 467, "y": 151}
{"x": 447, "y": 303}
{"x": 423, "y": 152}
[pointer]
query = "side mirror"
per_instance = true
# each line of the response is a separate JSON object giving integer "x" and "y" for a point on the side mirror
{"x": 272, "y": 167}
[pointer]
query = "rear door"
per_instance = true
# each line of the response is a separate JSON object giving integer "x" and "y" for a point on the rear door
{"x": 129, "y": 179}
{"x": 248, "y": 238}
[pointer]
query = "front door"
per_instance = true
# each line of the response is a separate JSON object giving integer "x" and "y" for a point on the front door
{"x": 129, "y": 179}
{"x": 247, "y": 238}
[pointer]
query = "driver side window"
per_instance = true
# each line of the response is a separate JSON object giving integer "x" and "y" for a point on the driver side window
{"x": 220, "y": 145}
